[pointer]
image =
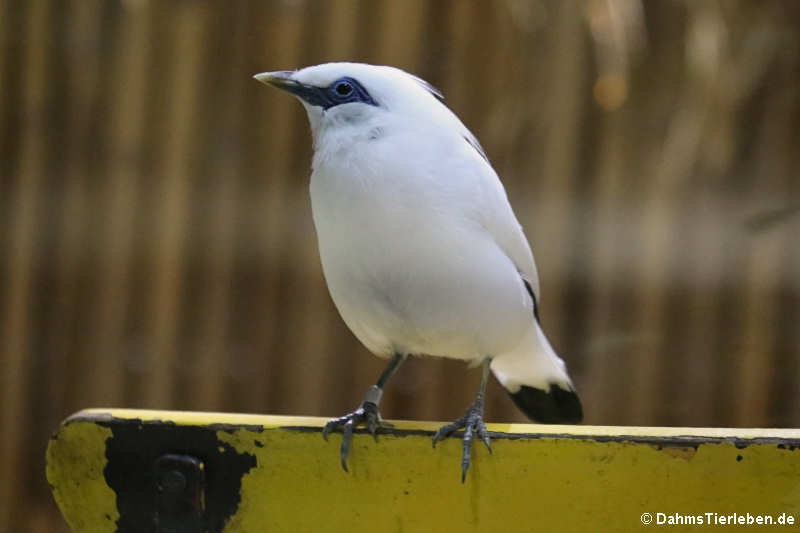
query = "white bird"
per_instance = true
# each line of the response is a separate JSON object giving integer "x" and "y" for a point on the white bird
{"x": 420, "y": 248}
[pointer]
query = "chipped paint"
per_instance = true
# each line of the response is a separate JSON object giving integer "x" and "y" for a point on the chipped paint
{"x": 561, "y": 478}
{"x": 680, "y": 453}
{"x": 75, "y": 463}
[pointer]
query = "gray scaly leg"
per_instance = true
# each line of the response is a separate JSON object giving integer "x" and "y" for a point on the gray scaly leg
{"x": 471, "y": 422}
{"x": 367, "y": 413}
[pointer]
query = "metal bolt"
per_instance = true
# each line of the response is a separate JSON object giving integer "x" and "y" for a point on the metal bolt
{"x": 172, "y": 481}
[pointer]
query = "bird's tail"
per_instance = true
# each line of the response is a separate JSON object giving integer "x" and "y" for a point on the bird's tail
{"x": 537, "y": 380}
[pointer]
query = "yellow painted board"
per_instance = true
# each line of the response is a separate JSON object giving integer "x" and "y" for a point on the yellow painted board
{"x": 276, "y": 473}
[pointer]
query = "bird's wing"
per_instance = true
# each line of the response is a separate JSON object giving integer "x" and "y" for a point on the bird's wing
{"x": 499, "y": 220}
{"x": 507, "y": 232}
{"x": 479, "y": 180}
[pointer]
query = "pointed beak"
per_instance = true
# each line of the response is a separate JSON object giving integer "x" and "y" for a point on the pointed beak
{"x": 282, "y": 79}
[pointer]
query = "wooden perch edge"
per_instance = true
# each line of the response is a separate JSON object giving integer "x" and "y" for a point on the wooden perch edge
{"x": 132, "y": 470}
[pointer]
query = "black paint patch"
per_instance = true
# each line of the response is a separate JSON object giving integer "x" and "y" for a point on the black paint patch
{"x": 555, "y": 406}
{"x": 132, "y": 452}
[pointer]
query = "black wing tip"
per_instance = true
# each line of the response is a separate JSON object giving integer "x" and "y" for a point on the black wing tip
{"x": 554, "y": 406}
{"x": 533, "y": 297}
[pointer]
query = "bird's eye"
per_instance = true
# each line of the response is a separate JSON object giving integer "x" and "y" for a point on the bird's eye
{"x": 343, "y": 88}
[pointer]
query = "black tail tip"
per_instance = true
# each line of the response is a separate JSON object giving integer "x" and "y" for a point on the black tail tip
{"x": 553, "y": 406}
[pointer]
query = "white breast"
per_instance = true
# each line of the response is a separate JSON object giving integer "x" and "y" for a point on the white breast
{"x": 408, "y": 261}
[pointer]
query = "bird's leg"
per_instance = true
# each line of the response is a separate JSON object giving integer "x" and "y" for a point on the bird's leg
{"x": 471, "y": 422}
{"x": 367, "y": 413}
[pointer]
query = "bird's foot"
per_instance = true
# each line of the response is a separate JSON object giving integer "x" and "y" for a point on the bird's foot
{"x": 366, "y": 414}
{"x": 471, "y": 422}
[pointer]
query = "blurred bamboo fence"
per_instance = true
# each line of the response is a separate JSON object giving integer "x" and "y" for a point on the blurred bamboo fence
{"x": 156, "y": 243}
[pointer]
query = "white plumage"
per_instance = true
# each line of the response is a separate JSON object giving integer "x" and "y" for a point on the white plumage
{"x": 420, "y": 248}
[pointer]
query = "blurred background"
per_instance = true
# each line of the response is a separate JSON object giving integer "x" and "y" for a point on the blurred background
{"x": 157, "y": 248}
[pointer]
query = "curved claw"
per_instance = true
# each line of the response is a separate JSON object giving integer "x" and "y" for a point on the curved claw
{"x": 466, "y": 453}
{"x": 471, "y": 422}
{"x": 366, "y": 414}
{"x": 484, "y": 435}
{"x": 347, "y": 436}
{"x": 330, "y": 426}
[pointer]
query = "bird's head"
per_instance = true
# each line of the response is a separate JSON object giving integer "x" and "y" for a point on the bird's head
{"x": 355, "y": 94}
